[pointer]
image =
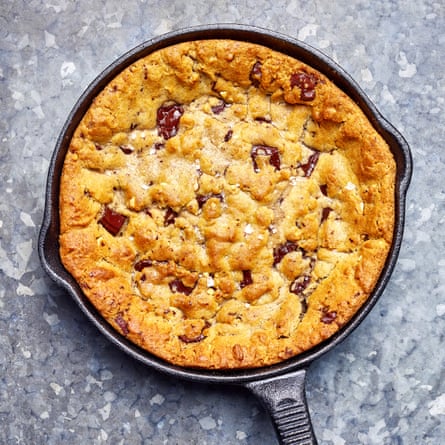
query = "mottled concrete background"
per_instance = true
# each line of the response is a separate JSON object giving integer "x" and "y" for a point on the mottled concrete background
{"x": 61, "y": 382}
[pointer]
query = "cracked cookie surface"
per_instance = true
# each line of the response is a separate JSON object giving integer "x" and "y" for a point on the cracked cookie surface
{"x": 223, "y": 205}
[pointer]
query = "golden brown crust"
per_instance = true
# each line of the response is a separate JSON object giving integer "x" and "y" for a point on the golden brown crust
{"x": 248, "y": 227}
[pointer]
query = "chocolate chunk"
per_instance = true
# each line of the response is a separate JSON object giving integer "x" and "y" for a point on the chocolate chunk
{"x": 167, "y": 120}
{"x": 256, "y": 74}
{"x": 304, "y": 306}
{"x": 228, "y": 136}
{"x": 264, "y": 119}
{"x": 265, "y": 150}
{"x": 202, "y": 199}
{"x": 306, "y": 82}
{"x": 112, "y": 220}
{"x": 126, "y": 149}
{"x": 280, "y": 251}
{"x": 142, "y": 264}
{"x": 325, "y": 213}
{"x": 196, "y": 339}
{"x": 300, "y": 284}
{"x": 247, "y": 278}
{"x": 219, "y": 108}
{"x": 122, "y": 323}
{"x": 327, "y": 316}
{"x": 324, "y": 189}
{"x": 170, "y": 216}
{"x": 178, "y": 286}
{"x": 309, "y": 167}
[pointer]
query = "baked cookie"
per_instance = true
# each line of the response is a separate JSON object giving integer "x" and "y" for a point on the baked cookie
{"x": 225, "y": 206}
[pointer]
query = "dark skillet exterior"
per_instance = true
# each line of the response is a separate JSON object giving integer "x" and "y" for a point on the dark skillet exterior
{"x": 49, "y": 234}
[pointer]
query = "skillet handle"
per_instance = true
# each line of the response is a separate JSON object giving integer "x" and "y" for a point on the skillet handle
{"x": 285, "y": 399}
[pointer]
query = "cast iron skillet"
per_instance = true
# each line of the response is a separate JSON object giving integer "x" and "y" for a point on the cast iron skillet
{"x": 279, "y": 387}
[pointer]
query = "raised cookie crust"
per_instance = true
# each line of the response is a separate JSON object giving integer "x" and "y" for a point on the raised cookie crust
{"x": 223, "y": 205}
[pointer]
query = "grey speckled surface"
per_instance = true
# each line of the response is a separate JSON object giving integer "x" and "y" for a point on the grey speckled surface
{"x": 62, "y": 382}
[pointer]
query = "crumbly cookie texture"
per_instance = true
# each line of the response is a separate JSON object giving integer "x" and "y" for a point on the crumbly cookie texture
{"x": 224, "y": 206}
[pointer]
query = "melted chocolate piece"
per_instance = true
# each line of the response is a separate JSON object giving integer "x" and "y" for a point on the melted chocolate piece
{"x": 256, "y": 74}
{"x": 122, "y": 324}
{"x": 304, "y": 306}
{"x": 178, "y": 286}
{"x": 328, "y": 316}
{"x": 141, "y": 265}
{"x": 219, "y": 108}
{"x": 325, "y": 213}
{"x": 263, "y": 119}
{"x": 280, "y": 251}
{"x": 228, "y": 136}
{"x": 167, "y": 120}
{"x": 170, "y": 216}
{"x": 324, "y": 189}
{"x": 196, "y": 339}
{"x": 265, "y": 150}
{"x": 300, "y": 284}
{"x": 309, "y": 167}
{"x": 247, "y": 278}
{"x": 126, "y": 149}
{"x": 112, "y": 221}
{"x": 202, "y": 199}
{"x": 306, "y": 82}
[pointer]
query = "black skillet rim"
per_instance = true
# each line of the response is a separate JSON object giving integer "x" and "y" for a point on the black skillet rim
{"x": 48, "y": 237}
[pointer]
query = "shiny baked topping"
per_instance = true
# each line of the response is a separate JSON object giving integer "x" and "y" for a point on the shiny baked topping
{"x": 225, "y": 206}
